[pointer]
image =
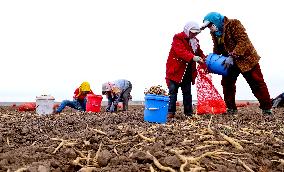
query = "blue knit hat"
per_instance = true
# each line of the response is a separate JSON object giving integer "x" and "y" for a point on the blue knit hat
{"x": 217, "y": 19}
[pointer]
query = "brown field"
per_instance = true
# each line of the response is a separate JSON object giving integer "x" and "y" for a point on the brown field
{"x": 76, "y": 141}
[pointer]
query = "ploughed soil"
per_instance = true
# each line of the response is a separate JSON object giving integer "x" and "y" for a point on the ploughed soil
{"x": 123, "y": 141}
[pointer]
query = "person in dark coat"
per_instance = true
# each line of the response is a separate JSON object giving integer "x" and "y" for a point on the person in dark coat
{"x": 230, "y": 39}
{"x": 181, "y": 67}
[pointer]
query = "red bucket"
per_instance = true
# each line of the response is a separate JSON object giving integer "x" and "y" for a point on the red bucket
{"x": 93, "y": 103}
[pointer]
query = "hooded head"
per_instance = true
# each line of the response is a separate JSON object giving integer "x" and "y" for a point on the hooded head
{"x": 191, "y": 27}
{"x": 215, "y": 18}
{"x": 106, "y": 87}
{"x": 85, "y": 86}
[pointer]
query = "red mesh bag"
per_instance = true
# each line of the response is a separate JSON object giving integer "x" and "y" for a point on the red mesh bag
{"x": 209, "y": 100}
{"x": 27, "y": 107}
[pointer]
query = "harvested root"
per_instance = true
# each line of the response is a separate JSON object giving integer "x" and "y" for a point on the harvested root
{"x": 195, "y": 160}
{"x": 185, "y": 141}
{"x": 8, "y": 142}
{"x": 115, "y": 151}
{"x": 146, "y": 138}
{"x": 196, "y": 169}
{"x": 87, "y": 169}
{"x": 22, "y": 169}
{"x": 89, "y": 157}
{"x": 280, "y": 160}
{"x": 151, "y": 168}
{"x": 280, "y": 153}
{"x": 250, "y": 142}
{"x": 98, "y": 131}
{"x": 217, "y": 142}
{"x": 245, "y": 166}
{"x": 232, "y": 141}
{"x": 157, "y": 163}
{"x": 95, "y": 159}
{"x": 63, "y": 143}
{"x": 79, "y": 153}
{"x": 203, "y": 147}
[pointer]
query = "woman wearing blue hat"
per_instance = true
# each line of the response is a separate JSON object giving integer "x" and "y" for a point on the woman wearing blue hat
{"x": 230, "y": 39}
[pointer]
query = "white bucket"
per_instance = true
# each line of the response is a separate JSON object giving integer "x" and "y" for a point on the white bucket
{"x": 44, "y": 104}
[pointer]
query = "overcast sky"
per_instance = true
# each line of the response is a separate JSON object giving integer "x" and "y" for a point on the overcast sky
{"x": 50, "y": 47}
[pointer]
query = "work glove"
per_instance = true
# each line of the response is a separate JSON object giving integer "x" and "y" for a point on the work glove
{"x": 228, "y": 62}
{"x": 197, "y": 59}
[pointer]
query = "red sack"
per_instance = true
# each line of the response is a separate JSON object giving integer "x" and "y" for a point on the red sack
{"x": 27, "y": 107}
{"x": 209, "y": 100}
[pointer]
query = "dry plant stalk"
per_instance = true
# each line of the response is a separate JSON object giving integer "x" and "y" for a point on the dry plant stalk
{"x": 146, "y": 138}
{"x": 245, "y": 166}
{"x": 79, "y": 153}
{"x": 232, "y": 141}
{"x": 157, "y": 163}
{"x": 89, "y": 157}
{"x": 247, "y": 141}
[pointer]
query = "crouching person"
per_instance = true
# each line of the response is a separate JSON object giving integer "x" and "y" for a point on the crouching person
{"x": 278, "y": 101}
{"x": 79, "y": 98}
{"x": 117, "y": 91}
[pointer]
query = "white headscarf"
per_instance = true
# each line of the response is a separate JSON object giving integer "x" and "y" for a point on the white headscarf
{"x": 194, "y": 28}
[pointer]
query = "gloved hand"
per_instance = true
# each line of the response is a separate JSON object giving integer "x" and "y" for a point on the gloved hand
{"x": 228, "y": 62}
{"x": 197, "y": 59}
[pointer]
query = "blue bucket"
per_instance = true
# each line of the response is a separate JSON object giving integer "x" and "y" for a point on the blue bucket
{"x": 156, "y": 108}
{"x": 214, "y": 64}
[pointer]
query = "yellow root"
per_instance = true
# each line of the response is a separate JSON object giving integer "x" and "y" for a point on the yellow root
{"x": 98, "y": 131}
{"x": 79, "y": 153}
{"x": 63, "y": 143}
{"x": 95, "y": 159}
{"x": 250, "y": 142}
{"x": 146, "y": 138}
{"x": 280, "y": 160}
{"x": 157, "y": 163}
{"x": 196, "y": 169}
{"x": 203, "y": 147}
{"x": 185, "y": 141}
{"x": 89, "y": 157}
{"x": 232, "y": 141}
{"x": 151, "y": 168}
{"x": 22, "y": 169}
{"x": 217, "y": 142}
{"x": 8, "y": 142}
{"x": 245, "y": 166}
{"x": 115, "y": 151}
{"x": 87, "y": 169}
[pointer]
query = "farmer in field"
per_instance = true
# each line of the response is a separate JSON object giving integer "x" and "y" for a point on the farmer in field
{"x": 278, "y": 101}
{"x": 117, "y": 91}
{"x": 181, "y": 67}
{"x": 230, "y": 39}
{"x": 79, "y": 98}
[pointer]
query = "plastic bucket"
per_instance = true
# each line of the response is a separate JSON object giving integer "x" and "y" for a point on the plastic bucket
{"x": 93, "y": 103}
{"x": 214, "y": 64}
{"x": 44, "y": 104}
{"x": 156, "y": 108}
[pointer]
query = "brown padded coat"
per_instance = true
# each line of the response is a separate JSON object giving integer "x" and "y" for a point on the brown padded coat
{"x": 236, "y": 41}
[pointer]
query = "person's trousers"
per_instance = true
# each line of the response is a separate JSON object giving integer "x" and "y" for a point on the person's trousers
{"x": 256, "y": 82}
{"x": 125, "y": 97}
{"x": 75, "y": 104}
{"x": 187, "y": 97}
